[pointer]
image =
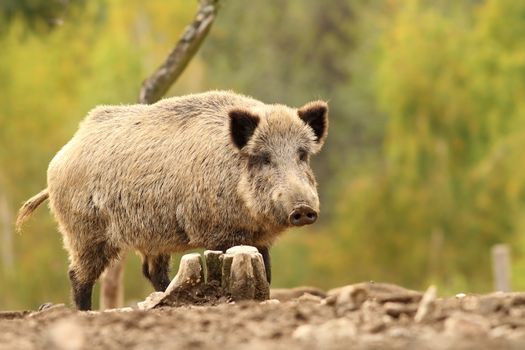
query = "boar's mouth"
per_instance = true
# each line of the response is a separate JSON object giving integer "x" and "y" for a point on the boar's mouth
{"x": 302, "y": 215}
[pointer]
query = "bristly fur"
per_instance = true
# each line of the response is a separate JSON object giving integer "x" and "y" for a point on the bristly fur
{"x": 209, "y": 170}
{"x": 29, "y": 207}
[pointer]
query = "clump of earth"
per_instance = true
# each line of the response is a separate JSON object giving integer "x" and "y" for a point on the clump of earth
{"x": 360, "y": 316}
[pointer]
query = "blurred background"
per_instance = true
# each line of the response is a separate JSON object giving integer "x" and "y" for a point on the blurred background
{"x": 424, "y": 167}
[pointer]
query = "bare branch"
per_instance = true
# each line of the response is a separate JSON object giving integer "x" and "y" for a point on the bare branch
{"x": 159, "y": 82}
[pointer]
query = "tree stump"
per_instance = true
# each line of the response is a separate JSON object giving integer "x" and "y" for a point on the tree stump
{"x": 191, "y": 273}
{"x": 213, "y": 259}
{"x": 238, "y": 274}
{"x": 244, "y": 275}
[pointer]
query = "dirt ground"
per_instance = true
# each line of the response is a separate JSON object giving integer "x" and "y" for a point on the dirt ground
{"x": 362, "y": 316}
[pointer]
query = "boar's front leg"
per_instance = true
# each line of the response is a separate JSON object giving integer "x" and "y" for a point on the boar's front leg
{"x": 265, "y": 252}
{"x": 156, "y": 269}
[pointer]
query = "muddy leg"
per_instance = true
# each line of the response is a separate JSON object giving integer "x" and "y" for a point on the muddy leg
{"x": 265, "y": 252}
{"x": 81, "y": 291}
{"x": 85, "y": 269}
{"x": 156, "y": 269}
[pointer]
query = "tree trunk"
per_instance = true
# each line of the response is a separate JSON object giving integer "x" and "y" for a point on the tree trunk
{"x": 153, "y": 88}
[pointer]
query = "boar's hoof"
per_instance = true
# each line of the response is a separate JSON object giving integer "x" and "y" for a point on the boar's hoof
{"x": 302, "y": 215}
{"x": 244, "y": 275}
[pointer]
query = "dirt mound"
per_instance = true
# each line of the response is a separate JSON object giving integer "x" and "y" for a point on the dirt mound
{"x": 209, "y": 294}
{"x": 361, "y": 316}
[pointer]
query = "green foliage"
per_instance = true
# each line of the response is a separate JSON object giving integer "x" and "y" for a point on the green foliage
{"x": 451, "y": 81}
{"x": 38, "y": 15}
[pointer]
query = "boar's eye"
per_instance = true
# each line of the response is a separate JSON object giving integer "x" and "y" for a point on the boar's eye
{"x": 258, "y": 160}
{"x": 303, "y": 155}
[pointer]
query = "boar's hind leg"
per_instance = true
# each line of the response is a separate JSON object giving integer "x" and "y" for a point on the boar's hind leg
{"x": 86, "y": 267}
{"x": 156, "y": 269}
{"x": 265, "y": 252}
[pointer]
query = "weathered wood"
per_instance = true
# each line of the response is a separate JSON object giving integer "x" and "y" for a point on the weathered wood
{"x": 8, "y": 261}
{"x": 159, "y": 82}
{"x": 242, "y": 281}
{"x": 111, "y": 292}
{"x": 244, "y": 275}
{"x": 213, "y": 259}
{"x": 242, "y": 249}
{"x": 227, "y": 260}
{"x": 191, "y": 273}
{"x": 151, "y": 301}
{"x": 262, "y": 287}
{"x": 501, "y": 267}
{"x": 427, "y": 305}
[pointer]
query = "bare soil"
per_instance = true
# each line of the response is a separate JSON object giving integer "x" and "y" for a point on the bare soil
{"x": 362, "y": 316}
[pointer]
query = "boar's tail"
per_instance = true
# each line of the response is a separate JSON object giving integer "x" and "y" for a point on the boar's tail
{"x": 27, "y": 209}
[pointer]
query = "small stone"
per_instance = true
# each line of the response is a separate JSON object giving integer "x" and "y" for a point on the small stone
{"x": 285, "y": 294}
{"x": 383, "y": 292}
{"x": 396, "y": 309}
{"x": 469, "y": 303}
{"x": 501, "y": 332}
{"x": 488, "y": 304}
{"x": 326, "y": 334}
{"x": 309, "y": 298}
{"x": 517, "y": 313}
{"x": 399, "y": 332}
{"x": 350, "y": 298}
{"x": 467, "y": 325}
{"x": 270, "y": 302}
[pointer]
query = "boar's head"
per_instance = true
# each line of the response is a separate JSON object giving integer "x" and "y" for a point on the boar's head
{"x": 275, "y": 143}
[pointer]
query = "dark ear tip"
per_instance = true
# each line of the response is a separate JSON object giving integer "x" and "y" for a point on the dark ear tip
{"x": 315, "y": 114}
{"x": 242, "y": 126}
{"x": 239, "y": 115}
{"x": 236, "y": 112}
{"x": 320, "y": 107}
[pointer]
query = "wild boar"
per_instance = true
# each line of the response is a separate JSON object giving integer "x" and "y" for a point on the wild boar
{"x": 210, "y": 170}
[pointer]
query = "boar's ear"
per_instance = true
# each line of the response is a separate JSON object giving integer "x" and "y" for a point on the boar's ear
{"x": 315, "y": 114}
{"x": 242, "y": 126}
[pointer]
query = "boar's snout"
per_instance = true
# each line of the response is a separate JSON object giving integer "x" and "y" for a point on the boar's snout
{"x": 302, "y": 215}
